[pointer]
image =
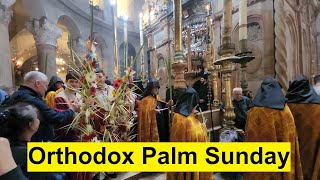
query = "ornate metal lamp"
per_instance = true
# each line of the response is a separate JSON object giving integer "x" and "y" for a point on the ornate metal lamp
{"x": 226, "y": 51}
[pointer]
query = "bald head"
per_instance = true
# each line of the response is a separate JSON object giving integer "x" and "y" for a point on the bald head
{"x": 237, "y": 93}
{"x": 37, "y": 81}
{"x": 33, "y": 76}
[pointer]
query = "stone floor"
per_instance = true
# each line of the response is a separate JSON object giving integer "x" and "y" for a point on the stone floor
{"x": 159, "y": 176}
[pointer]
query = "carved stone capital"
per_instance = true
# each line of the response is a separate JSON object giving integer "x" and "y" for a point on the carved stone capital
{"x": 43, "y": 31}
{"x": 5, "y": 15}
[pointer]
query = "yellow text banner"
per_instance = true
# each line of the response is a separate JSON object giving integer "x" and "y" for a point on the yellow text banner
{"x": 159, "y": 157}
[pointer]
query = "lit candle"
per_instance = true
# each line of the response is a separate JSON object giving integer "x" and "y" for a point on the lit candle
{"x": 243, "y": 19}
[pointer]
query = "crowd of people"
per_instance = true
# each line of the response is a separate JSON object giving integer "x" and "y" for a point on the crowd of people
{"x": 40, "y": 110}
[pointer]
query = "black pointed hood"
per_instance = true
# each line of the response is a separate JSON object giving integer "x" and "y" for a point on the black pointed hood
{"x": 187, "y": 101}
{"x": 301, "y": 92}
{"x": 53, "y": 81}
{"x": 270, "y": 95}
{"x": 151, "y": 84}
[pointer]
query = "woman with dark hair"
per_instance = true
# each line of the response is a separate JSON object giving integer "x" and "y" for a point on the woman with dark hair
{"x": 19, "y": 123}
{"x": 186, "y": 128}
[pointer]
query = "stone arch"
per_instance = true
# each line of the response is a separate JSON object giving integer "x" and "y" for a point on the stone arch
{"x": 22, "y": 48}
{"x": 131, "y": 52}
{"x": 20, "y": 16}
{"x": 30, "y": 64}
{"x": 97, "y": 37}
{"x": 71, "y": 25}
{"x": 292, "y": 45}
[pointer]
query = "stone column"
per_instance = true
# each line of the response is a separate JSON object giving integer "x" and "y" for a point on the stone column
{"x": 6, "y": 63}
{"x": 45, "y": 35}
{"x": 280, "y": 45}
{"x": 80, "y": 48}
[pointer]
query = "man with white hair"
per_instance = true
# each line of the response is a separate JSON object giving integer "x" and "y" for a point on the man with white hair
{"x": 32, "y": 90}
{"x": 241, "y": 107}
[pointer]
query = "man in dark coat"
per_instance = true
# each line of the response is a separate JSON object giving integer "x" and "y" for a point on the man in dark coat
{"x": 202, "y": 89}
{"x": 33, "y": 89}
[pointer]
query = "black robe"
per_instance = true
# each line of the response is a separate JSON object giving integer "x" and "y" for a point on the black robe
{"x": 163, "y": 122}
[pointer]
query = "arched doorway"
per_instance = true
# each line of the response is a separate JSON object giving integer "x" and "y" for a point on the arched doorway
{"x": 70, "y": 32}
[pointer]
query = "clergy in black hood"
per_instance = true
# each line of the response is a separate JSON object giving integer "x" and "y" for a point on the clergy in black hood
{"x": 302, "y": 92}
{"x": 270, "y": 95}
{"x": 270, "y": 120}
{"x": 186, "y": 128}
{"x": 304, "y": 104}
{"x": 153, "y": 115}
{"x": 152, "y": 86}
{"x": 187, "y": 102}
{"x": 55, "y": 87}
